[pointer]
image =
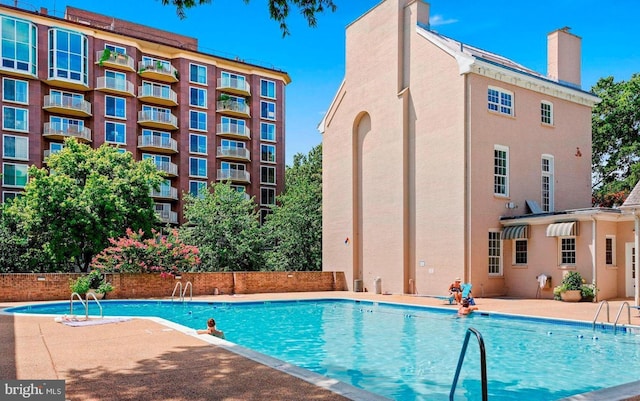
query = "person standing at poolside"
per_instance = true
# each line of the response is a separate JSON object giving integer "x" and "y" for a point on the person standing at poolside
{"x": 455, "y": 290}
{"x": 211, "y": 329}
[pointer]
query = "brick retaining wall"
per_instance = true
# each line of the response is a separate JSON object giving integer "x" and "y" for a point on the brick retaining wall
{"x": 55, "y": 286}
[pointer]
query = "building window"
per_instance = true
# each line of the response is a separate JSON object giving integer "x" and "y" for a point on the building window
{"x": 547, "y": 183}
{"x": 115, "y": 49}
{"x": 156, "y": 64}
{"x": 66, "y": 125}
{"x": 19, "y": 45}
{"x": 15, "y": 119}
{"x": 15, "y": 147}
{"x": 68, "y": 56}
{"x": 267, "y": 196}
{"x": 115, "y": 107}
{"x": 520, "y": 251}
{"x": 267, "y": 110}
{"x": 15, "y": 90}
{"x": 233, "y": 126}
{"x": 229, "y": 80}
{"x": 198, "y": 188}
{"x": 156, "y": 90}
{"x": 162, "y": 162}
{"x": 568, "y": 251}
{"x": 500, "y": 170}
{"x": 197, "y": 167}
{"x": 197, "y": 97}
{"x": 198, "y": 120}
{"x": 267, "y": 132}
{"x": 10, "y": 196}
{"x": 198, "y": 74}
{"x": 500, "y": 101}
{"x": 546, "y": 113}
{"x": 161, "y": 138}
{"x": 495, "y": 253}
{"x": 115, "y": 132}
{"x": 610, "y": 250}
{"x": 198, "y": 144}
{"x": 67, "y": 99}
{"x": 14, "y": 175}
{"x": 267, "y": 175}
{"x": 227, "y": 144}
{"x": 267, "y": 89}
{"x": 55, "y": 147}
{"x": 268, "y": 153}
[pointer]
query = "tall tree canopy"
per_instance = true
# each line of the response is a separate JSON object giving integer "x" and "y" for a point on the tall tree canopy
{"x": 294, "y": 228}
{"x": 616, "y": 139}
{"x": 85, "y": 197}
{"x": 278, "y": 9}
{"x": 224, "y": 225}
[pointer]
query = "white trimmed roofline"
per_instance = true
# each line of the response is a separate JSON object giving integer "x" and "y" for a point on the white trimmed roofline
{"x": 470, "y": 64}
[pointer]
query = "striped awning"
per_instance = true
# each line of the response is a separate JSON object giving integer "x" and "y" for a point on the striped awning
{"x": 515, "y": 232}
{"x": 566, "y": 229}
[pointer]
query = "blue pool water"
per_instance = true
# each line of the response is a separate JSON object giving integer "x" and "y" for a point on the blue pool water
{"x": 410, "y": 353}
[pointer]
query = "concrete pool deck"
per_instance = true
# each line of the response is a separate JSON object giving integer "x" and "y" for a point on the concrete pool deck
{"x": 143, "y": 359}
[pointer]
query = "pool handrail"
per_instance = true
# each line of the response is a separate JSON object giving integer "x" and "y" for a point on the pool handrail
{"x": 483, "y": 364}
{"x": 190, "y": 287}
{"x": 79, "y": 299}
{"x": 178, "y": 285}
{"x": 620, "y": 312}
{"x": 86, "y": 314}
{"x": 602, "y": 303}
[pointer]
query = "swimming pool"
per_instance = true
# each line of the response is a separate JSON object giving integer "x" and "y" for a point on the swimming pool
{"x": 407, "y": 352}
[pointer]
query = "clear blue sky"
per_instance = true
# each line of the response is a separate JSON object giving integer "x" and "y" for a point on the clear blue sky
{"x": 314, "y": 57}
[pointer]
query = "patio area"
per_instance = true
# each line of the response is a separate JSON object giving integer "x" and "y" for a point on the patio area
{"x": 141, "y": 359}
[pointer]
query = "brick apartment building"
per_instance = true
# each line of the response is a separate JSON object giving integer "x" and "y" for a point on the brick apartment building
{"x": 200, "y": 117}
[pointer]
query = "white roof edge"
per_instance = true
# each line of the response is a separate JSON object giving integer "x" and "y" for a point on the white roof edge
{"x": 322, "y": 123}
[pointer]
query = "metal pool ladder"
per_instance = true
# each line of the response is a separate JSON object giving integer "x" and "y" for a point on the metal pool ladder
{"x": 483, "y": 364}
{"x": 84, "y": 303}
{"x": 620, "y": 312}
{"x": 181, "y": 292}
{"x": 603, "y": 303}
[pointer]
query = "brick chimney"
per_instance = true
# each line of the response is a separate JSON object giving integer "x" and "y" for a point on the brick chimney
{"x": 564, "y": 57}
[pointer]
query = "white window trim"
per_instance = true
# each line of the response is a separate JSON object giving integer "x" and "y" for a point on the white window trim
{"x": 512, "y": 112}
{"x": 506, "y": 150}
{"x": 500, "y": 257}
{"x": 198, "y": 183}
{"x": 575, "y": 252}
{"x": 551, "y": 175}
{"x": 15, "y": 129}
{"x": 271, "y": 189}
{"x": 275, "y": 88}
{"x": 513, "y": 252}
{"x": 205, "y": 171}
{"x": 206, "y": 150}
{"x": 275, "y": 154}
{"x": 206, "y": 77}
{"x": 4, "y": 169}
{"x": 4, "y": 79}
{"x": 274, "y": 132}
{"x": 15, "y": 158}
{"x": 125, "y": 107}
{"x": 116, "y": 48}
{"x": 5, "y": 193}
{"x": 116, "y": 123}
{"x": 614, "y": 261}
{"x": 206, "y": 95}
{"x": 275, "y": 176}
{"x": 206, "y": 121}
{"x": 551, "y": 123}
{"x": 275, "y": 110}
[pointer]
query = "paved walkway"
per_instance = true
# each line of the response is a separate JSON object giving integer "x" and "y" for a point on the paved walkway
{"x": 142, "y": 360}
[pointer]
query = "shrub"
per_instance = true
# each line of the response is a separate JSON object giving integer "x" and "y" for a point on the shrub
{"x": 572, "y": 281}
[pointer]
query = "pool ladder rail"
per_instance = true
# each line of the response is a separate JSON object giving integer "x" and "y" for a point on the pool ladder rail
{"x": 85, "y": 303}
{"x": 483, "y": 364}
{"x": 181, "y": 292}
{"x": 615, "y": 323}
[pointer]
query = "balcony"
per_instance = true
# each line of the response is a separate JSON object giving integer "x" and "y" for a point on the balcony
{"x": 115, "y": 86}
{"x": 158, "y": 71}
{"x": 68, "y": 84}
{"x": 156, "y": 95}
{"x": 62, "y": 131}
{"x": 233, "y": 153}
{"x": 167, "y": 216}
{"x": 233, "y": 175}
{"x": 233, "y": 108}
{"x": 170, "y": 169}
{"x": 170, "y": 193}
{"x": 233, "y": 131}
{"x": 233, "y": 85}
{"x": 107, "y": 58}
{"x": 67, "y": 105}
{"x": 157, "y": 144}
{"x": 154, "y": 119}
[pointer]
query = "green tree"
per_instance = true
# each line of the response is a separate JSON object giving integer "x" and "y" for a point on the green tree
{"x": 278, "y": 9}
{"x": 294, "y": 228}
{"x": 616, "y": 139}
{"x": 87, "y": 196}
{"x": 225, "y": 227}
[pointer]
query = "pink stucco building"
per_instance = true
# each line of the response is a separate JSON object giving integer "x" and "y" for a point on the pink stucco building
{"x": 442, "y": 160}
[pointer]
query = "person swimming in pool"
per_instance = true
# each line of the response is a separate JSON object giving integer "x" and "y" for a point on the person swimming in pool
{"x": 465, "y": 308}
{"x": 211, "y": 329}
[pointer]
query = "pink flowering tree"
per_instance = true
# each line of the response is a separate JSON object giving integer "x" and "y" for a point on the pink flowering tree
{"x": 164, "y": 254}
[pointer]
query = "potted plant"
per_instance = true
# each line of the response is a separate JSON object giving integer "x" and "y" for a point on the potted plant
{"x": 571, "y": 287}
{"x": 92, "y": 283}
{"x": 588, "y": 292}
{"x": 80, "y": 285}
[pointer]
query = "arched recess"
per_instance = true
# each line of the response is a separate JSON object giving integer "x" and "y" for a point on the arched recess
{"x": 361, "y": 127}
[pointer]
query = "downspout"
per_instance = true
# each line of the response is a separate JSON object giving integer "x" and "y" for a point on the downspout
{"x": 467, "y": 179}
{"x": 594, "y": 268}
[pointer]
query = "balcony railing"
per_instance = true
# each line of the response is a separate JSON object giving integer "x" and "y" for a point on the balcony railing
{"x": 61, "y": 131}
{"x": 232, "y": 107}
{"x": 164, "y": 96}
{"x": 116, "y": 60}
{"x": 67, "y": 105}
{"x": 233, "y": 175}
{"x": 114, "y": 85}
{"x": 165, "y": 193}
{"x": 234, "y": 85}
{"x": 167, "y": 216}
{"x": 233, "y": 153}
{"x": 168, "y": 167}
{"x": 158, "y": 70}
{"x": 234, "y": 130}
{"x": 152, "y": 118}
{"x": 167, "y": 145}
